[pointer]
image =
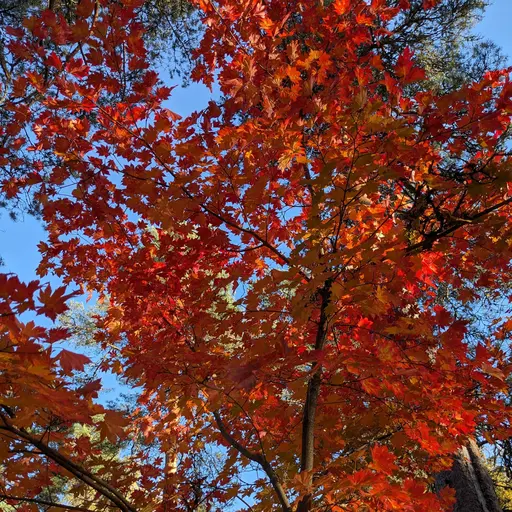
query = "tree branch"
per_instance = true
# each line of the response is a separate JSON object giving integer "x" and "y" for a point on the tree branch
{"x": 82, "y": 474}
{"x": 259, "y": 459}
{"x": 46, "y": 503}
{"x": 311, "y": 403}
{"x": 430, "y": 239}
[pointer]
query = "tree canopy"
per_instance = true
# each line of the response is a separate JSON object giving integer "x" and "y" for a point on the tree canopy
{"x": 273, "y": 266}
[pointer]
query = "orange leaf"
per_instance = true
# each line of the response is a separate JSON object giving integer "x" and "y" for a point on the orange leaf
{"x": 383, "y": 460}
{"x": 70, "y": 361}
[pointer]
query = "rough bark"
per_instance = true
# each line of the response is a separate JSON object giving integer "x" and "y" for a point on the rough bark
{"x": 472, "y": 482}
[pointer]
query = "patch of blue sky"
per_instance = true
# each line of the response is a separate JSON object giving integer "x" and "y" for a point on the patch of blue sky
{"x": 495, "y": 25}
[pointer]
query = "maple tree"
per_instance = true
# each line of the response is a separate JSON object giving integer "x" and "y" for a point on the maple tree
{"x": 441, "y": 38}
{"x": 272, "y": 263}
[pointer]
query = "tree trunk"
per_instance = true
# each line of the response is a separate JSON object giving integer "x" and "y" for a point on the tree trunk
{"x": 471, "y": 480}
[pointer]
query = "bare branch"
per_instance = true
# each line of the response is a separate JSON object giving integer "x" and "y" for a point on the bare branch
{"x": 82, "y": 474}
{"x": 46, "y": 503}
{"x": 259, "y": 459}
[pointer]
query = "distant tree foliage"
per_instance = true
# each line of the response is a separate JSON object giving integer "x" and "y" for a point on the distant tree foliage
{"x": 444, "y": 42}
{"x": 173, "y": 30}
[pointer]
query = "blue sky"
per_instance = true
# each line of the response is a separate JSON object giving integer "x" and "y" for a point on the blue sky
{"x": 496, "y": 25}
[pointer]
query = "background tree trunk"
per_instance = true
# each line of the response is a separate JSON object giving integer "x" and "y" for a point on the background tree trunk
{"x": 471, "y": 481}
